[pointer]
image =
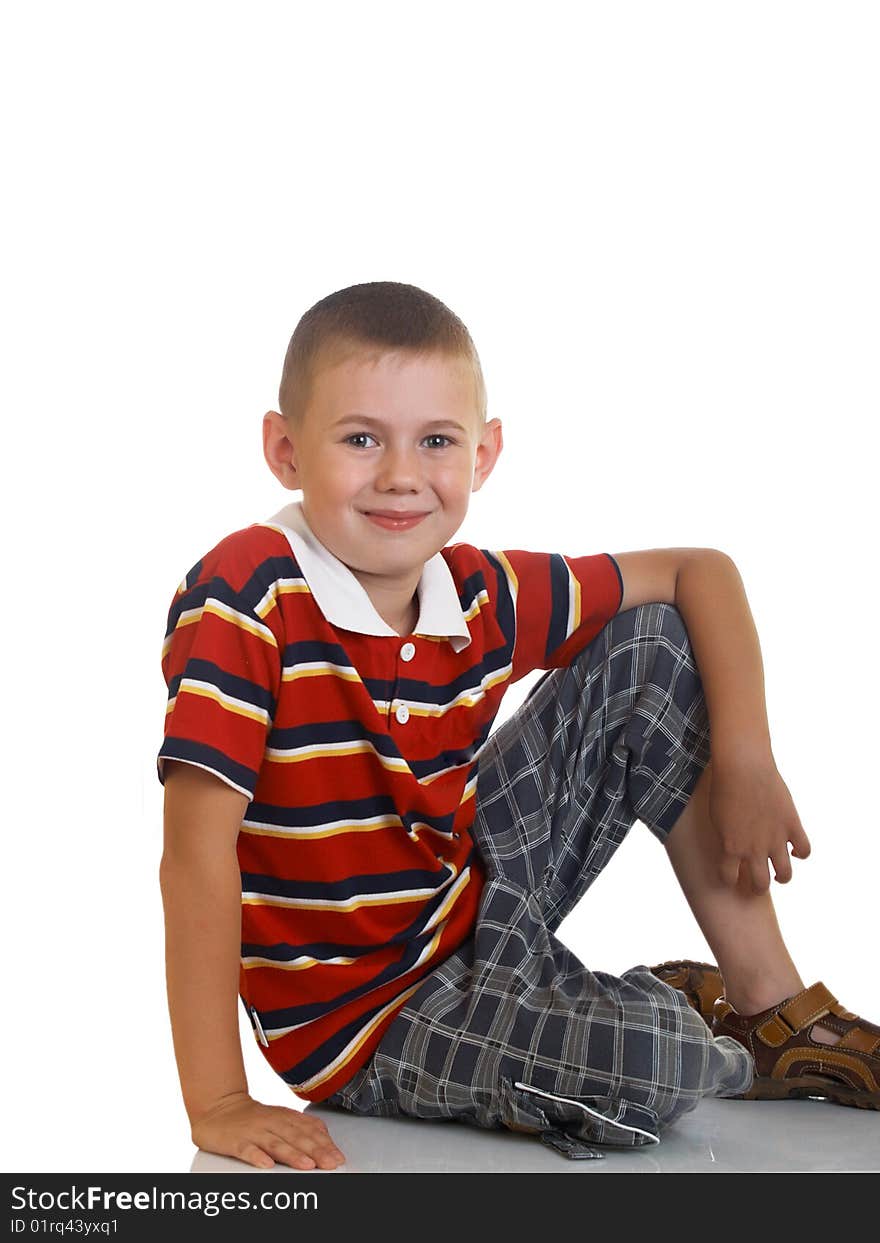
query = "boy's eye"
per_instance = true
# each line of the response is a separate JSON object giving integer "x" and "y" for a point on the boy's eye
{"x": 362, "y": 435}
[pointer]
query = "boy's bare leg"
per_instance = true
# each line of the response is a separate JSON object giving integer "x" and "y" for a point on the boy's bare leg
{"x": 739, "y": 924}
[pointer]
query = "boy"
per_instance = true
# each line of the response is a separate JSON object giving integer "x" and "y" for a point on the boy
{"x": 350, "y": 851}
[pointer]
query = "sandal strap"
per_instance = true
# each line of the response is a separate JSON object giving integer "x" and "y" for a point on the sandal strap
{"x": 859, "y": 1041}
{"x": 774, "y": 1032}
{"x": 843, "y": 1013}
{"x": 807, "y": 1006}
{"x": 797, "y": 1012}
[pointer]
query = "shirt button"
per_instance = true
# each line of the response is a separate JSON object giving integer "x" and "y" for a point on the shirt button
{"x": 456, "y": 836}
{"x": 402, "y": 714}
{"x": 407, "y": 651}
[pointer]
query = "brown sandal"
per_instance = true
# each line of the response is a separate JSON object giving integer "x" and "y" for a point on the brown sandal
{"x": 789, "y": 1063}
{"x": 700, "y": 982}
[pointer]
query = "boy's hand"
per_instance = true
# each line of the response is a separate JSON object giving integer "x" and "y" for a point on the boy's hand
{"x": 752, "y": 810}
{"x": 238, "y": 1126}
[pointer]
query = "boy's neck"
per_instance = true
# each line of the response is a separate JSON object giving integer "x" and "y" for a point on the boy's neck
{"x": 409, "y": 622}
{"x": 396, "y": 603}
{"x": 404, "y": 623}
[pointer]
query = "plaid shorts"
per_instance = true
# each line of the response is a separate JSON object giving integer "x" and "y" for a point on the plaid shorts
{"x": 512, "y": 1030}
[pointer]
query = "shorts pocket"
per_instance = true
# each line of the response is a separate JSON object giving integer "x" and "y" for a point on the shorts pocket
{"x": 599, "y": 1120}
{"x": 519, "y": 1111}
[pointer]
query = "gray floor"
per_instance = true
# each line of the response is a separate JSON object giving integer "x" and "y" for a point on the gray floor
{"x": 719, "y": 1137}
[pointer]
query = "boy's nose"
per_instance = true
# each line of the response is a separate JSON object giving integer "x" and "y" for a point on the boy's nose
{"x": 400, "y": 469}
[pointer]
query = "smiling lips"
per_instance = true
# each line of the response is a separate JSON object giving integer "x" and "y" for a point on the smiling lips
{"x": 395, "y": 520}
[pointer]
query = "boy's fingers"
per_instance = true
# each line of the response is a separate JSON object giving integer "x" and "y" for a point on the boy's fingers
{"x": 782, "y": 867}
{"x": 760, "y": 873}
{"x": 254, "y": 1155}
{"x": 800, "y": 843}
{"x": 294, "y": 1155}
{"x": 312, "y": 1143}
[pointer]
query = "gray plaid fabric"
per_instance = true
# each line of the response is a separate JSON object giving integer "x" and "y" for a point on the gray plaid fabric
{"x": 512, "y": 1030}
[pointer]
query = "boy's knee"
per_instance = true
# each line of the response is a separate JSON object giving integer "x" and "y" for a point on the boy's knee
{"x": 659, "y": 631}
{"x": 655, "y": 618}
{"x": 656, "y": 622}
{"x": 662, "y": 621}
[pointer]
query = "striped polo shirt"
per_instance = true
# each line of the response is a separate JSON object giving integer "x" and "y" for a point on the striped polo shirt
{"x": 358, "y": 750}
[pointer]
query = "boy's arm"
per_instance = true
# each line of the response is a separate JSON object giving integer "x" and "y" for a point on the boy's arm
{"x": 750, "y": 803}
{"x": 201, "y": 893}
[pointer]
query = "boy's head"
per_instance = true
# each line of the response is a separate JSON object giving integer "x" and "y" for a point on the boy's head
{"x": 382, "y": 408}
{"x": 370, "y": 320}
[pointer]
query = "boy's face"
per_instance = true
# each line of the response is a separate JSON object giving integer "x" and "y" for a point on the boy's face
{"x": 398, "y": 433}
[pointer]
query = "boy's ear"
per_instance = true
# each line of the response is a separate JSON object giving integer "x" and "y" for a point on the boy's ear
{"x": 278, "y": 450}
{"x": 488, "y": 452}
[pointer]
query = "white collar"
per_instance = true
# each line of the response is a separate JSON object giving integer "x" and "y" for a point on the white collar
{"x": 345, "y": 603}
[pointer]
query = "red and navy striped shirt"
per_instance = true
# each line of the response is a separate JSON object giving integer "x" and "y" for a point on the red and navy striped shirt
{"x": 358, "y": 750}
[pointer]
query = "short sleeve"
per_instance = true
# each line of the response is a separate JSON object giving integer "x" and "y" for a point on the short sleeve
{"x": 558, "y": 604}
{"x": 222, "y": 665}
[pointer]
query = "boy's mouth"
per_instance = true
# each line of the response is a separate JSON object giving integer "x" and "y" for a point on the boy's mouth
{"x": 393, "y": 520}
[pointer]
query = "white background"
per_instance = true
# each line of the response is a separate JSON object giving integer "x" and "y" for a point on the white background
{"x": 659, "y": 222}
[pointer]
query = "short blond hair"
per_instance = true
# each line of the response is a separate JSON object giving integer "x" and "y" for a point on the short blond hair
{"x": 373, "y": 319}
